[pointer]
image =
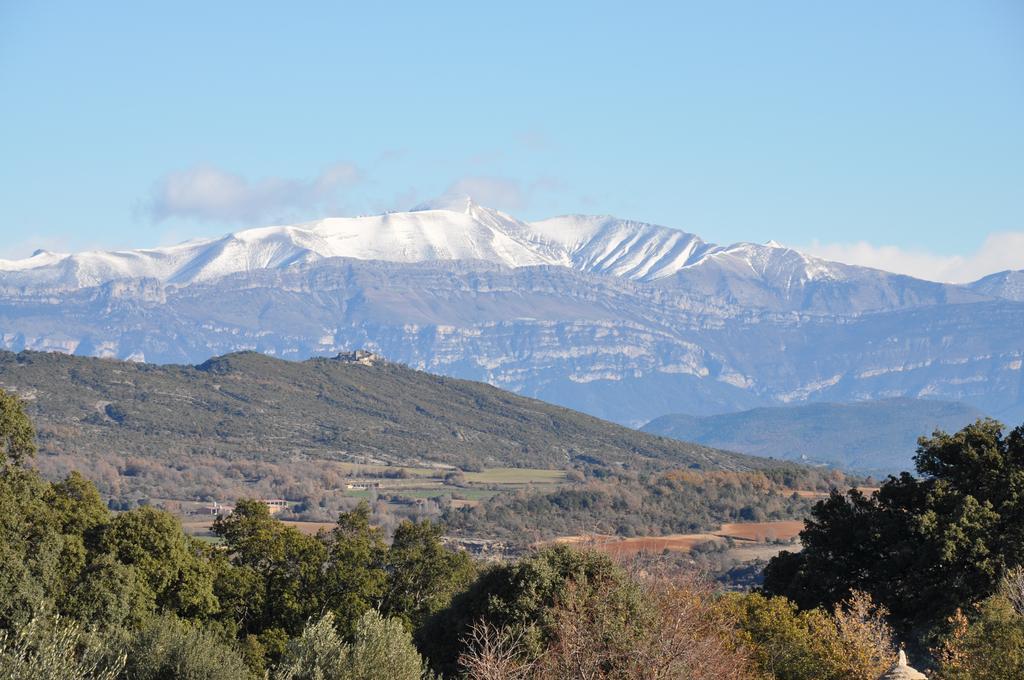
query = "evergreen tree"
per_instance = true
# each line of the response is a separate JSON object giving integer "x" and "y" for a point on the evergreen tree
{"x": 422, "y": 575}
{"x": 922, "y": 546}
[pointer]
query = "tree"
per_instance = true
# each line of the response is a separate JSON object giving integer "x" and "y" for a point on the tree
{"x": 354, "y": 577}
{"x": 167, "y": 648}
{"x": 379, "y": 646}
{"x": 56, "y": 649}
{"x": 853, "y": 643}
{"x": 987, "y": 645}
{"x": 168, "y": 562}
{"x": 17, "y": 436}
{"x": 922, "y": 546}
{"x": 110, "y": 594}
{"x": 318, "y": 654}
{"x": 282, "y": 571}
{"x": 493, "y": 653}
{"x": 519, "y": 596}
{"x": 381, "y": 643}
{"x": 645, "y": 628}
{"x": 422, "y": 575}
{"x": 46, "y": 534}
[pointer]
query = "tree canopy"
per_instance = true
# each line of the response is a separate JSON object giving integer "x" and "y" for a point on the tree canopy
{"x": 922, "y": 545}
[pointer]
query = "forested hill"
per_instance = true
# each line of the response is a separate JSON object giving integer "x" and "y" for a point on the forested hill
{"x": 248, "y": 405}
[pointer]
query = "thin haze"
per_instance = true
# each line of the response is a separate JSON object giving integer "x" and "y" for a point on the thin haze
{"x": 880, "y": 133}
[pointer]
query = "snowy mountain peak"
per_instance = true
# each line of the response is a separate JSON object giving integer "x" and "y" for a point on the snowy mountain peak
{"x": 463, "y": 203}
{"x": 452, "y": 228}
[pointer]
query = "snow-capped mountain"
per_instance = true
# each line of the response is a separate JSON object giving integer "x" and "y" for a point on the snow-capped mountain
{"x": 473, "y": 234}
{"x": 598, "y": 245}
{"x": 622, "y": 319}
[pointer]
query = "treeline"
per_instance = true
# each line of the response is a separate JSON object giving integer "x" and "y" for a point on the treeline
{"x": 632, "y": 505}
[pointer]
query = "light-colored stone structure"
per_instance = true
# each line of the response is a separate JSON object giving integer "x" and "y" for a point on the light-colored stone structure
{"x": 901, "y": 671}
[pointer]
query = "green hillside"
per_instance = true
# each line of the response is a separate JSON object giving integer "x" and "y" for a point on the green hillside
{"x": 250, "y": 425}
{"x": 249, "y": 405}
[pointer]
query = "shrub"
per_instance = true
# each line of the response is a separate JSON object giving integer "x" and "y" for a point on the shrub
{"x": 379, "y": 644}
{"x": 55, "y": 649}
{"x": 167, "y": 648}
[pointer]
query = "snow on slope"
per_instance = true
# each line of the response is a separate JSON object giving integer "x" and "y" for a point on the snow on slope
{"x": 473, "y": 234}
{"x": 623, "y": 248}
{"x": 603, "y": 245}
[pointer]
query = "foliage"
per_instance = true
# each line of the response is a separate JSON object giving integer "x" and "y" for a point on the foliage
{"x": 495, "y": 653}
{"x": 285, "y": 565}
{"x": 921, "y": 546}
{"x": 79, "y": 585}
{"x": 318, "y": 654}
{"x": 640, "y": 628}
{"x": 852, "y": 643}
{"x": 989, "y": 643}
{"x": 17, "y": 437}
{"x": 55, "y": 649}
{"x": 146, "y": 434}
{"x": 646, "y": 628}
{"x": 243, "y": 405}
{"x": 167, "y": 561}
{"x": 422, "y": 576}
{"x": 289, "y": 577}
{"x": 383, "y": 643}
{"x": 676, "y": 501}
{"x": 354, "y": 576}
{"x": 519, "y": 595}
{"x": 167, "y": 648}
{"x": 863, "y": 643}
{"x": 378, "y": 643}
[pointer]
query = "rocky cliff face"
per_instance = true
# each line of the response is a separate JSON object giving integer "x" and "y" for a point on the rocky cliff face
{"x": 703, "y": 340}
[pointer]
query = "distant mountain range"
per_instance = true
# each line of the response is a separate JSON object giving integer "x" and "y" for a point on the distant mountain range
{"x": 877, "y": 437}
{"x": 620, "y": 319}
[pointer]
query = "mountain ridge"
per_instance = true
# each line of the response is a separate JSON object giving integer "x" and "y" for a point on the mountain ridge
{"x": 878, "y": 437}
{"x": 592, "y": 316}
{"x": 593, "y": 244}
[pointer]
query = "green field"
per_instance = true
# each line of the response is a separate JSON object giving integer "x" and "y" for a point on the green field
{"x": 516, "y": 476}
{"x": 479, "y": 486}
{"x": 474, "y": 494}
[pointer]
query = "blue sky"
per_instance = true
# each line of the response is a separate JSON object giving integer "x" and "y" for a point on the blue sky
{"x": 827, "y": 125}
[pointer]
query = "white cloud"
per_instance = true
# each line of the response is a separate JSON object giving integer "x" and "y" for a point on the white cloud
{"x": 997, "y": 252}
{"x": 208, "y": 193}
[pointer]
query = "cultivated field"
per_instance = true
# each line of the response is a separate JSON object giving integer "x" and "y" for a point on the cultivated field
{"x": 754, "y": 539}
{"x": 762, "y": 532}
{"x": 400, "y": 488}
{"x": 618, "y": 546}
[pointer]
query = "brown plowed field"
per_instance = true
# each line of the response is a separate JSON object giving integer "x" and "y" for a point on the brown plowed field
{"x": 615, "y": 545}
{"x": 762, "y": 532}
{"x": 747, "y": 532}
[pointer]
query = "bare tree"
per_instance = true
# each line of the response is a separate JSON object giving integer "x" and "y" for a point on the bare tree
{"x": 865, "y": 639}
{"x": 654, "y": 628}
{"x": 1012, "y": 588}
{"x": 494, "y": 653}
